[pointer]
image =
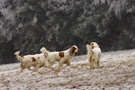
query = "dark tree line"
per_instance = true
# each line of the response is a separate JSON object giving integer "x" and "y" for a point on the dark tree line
{"x": 28, "y": 25}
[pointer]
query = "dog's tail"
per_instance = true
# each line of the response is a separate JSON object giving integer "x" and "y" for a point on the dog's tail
{"x": 89, "y": 50}
{"x": 17, "y": 55}
{"x": 43, "y": 50}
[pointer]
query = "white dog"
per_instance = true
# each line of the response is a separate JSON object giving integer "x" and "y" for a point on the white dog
{"x": 37, "y": 60}
{"x": 93, "y": 54}
{"x": 63, "y": 57}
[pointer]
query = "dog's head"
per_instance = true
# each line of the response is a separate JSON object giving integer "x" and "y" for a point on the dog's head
{"x": 94, "y": 44}
{"x": 74, "y": 50}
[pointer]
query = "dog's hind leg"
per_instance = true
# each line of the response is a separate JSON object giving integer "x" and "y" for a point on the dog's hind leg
{"x": 98, "y": 61}
{"x": 36, "y": 68}
{"x": 91, "y": 62}
{"x": 60, "y": 64}
{"x": 22, "y": 67}
{"x": 29, "y": 68}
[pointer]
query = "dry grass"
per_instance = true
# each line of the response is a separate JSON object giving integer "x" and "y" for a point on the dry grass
{"x": 116, "y": 72}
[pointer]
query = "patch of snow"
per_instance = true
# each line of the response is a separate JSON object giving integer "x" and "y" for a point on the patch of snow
{"x": 116, "y": 71}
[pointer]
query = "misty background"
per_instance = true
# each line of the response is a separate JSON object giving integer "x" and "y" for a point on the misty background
{"x": 28, "y": 25}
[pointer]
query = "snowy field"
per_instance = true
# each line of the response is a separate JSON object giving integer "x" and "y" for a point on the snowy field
{"x": 116, "y": 72}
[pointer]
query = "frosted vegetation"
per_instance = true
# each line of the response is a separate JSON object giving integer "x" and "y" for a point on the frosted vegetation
{"x": 116, "y": 72}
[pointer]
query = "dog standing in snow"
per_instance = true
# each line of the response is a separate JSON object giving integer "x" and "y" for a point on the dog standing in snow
{"x": 63, "y": 57}
{"x": 37, "y": 60}
{"x": 93, "y": 54}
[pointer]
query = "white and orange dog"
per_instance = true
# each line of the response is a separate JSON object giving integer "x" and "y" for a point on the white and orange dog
{"x": 93, "y": 54}
{"x": 63, "y": 57}
{"x": 37, "y": 60}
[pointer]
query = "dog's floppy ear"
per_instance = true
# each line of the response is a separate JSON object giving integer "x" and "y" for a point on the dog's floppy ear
{"x": 91, "y": 44}
{"x": 72, "y": 49}
{"x": 98, "y": 45}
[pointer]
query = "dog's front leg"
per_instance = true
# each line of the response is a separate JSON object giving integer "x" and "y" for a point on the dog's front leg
{"x": 68, "y": 63}
{"x": 22, "y": 67}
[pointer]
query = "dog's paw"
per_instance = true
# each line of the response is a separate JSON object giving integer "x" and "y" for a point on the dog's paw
{"x": 35, "y": 70}
{"x": 57, "y": 70}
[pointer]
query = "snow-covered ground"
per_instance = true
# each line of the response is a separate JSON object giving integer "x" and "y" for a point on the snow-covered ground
{"x": 116, "y": 72}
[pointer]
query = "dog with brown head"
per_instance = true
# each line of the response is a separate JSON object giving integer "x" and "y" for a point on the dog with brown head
{"x": 62, "y": 57}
